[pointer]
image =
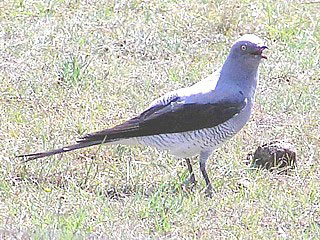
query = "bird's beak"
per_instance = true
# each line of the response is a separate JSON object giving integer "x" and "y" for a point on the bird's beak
{"x": 260, "y": 50}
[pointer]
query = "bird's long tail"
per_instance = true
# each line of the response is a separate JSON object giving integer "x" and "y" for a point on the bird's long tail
{"x": 126, "y": 130}
{"x": 33, "y": 156}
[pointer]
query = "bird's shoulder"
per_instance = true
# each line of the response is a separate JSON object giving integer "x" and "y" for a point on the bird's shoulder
{"x": 203, "y": 90}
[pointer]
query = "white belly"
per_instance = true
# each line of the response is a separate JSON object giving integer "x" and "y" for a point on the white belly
{"x": 191, "y": 143}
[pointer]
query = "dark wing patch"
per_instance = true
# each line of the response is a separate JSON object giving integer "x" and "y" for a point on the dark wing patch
{"x": 174, "y": 117}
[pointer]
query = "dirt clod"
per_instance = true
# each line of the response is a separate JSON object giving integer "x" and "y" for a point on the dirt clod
{"x": 278, "y": 154}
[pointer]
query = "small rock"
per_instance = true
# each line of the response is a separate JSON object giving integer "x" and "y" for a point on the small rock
{"x": 278, "y": 154}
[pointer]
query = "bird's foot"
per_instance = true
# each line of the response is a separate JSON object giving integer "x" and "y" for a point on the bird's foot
{"x": 192, "y": 180}
{"x": 190, "y": 183}
{"x": 209, "y": 191}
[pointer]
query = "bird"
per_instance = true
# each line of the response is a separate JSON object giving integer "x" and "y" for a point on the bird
{"x": 194, "y": 120}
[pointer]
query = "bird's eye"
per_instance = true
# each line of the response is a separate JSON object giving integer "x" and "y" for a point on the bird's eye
{"x": 243, "y": 47}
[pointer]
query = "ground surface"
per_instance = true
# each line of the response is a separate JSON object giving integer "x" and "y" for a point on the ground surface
{"x": 70, "y": 67}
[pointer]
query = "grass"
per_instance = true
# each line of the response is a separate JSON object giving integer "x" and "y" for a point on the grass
{"x": 73, "y": 67}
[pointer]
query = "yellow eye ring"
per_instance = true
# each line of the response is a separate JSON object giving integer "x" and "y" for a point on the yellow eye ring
{"x": 243, "y": 47}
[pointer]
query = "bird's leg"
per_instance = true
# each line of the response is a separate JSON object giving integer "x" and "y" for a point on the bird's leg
{"x": 192, "y": 179}
{"x": 203, "y": 160}
{"x": 206, "y": 178}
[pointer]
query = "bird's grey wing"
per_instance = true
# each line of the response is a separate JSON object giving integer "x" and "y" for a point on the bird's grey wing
{"x": 126, "y": 129}
{"x": 173, "y": 116}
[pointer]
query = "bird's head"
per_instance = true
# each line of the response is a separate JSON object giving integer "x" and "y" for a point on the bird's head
{"x": 248, "y": 50}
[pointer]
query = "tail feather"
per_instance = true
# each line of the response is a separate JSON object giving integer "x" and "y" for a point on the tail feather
{"x": 33, "y": 156}
{"x": 126, "y": 130}
{"x": 86, "y": 141}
